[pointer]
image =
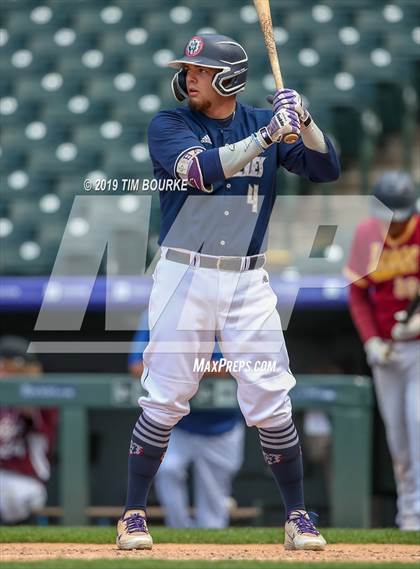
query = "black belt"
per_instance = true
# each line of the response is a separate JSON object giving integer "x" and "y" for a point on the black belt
{"x": 221, "y": 263}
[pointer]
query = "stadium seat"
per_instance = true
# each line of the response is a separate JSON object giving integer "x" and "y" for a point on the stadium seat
{"x": 10, "y": 44}
{"x": 51, "y": 231}
{"x": 344, "y": 41}
{"x": 387, "y": 19}
{"x": 46, "y": 160}
{"x": 24, "y": 62}
{"x": 379, "y": 65}
{"x": 403, "y": 45}
{"x": 36, "y": 18}
{"x": 62, "y": 43}
{"x": 43, "y": 91}
{"x": 74, "y": 110}
{"x": 120, "y": 165}
{"x": 88, "y": 136}
{"x": 36, "y": 260}
{"x": 319, "y": 19}
{"x": 105, "y": 88}
{"x": 134, "y": 42}
{"x": 12, "y": 158}
{"x": 25, "y": 211}
{"x": 96, "y": 20}
{"x": 162, "y": 24}
{"x": 13, "y": 111}
{"x": 228, "y": 23}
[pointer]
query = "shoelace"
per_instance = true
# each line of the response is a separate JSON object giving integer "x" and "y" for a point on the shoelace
{"x": 304, "y": 523}
{"x": 135, "y": 522}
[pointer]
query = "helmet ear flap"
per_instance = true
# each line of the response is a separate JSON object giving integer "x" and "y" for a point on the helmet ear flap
{"x": 179, "y": 85}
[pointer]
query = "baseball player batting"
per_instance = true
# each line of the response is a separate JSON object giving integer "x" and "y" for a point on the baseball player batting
{"x": 381, "y": 303}
{"x": 211, "y": 279}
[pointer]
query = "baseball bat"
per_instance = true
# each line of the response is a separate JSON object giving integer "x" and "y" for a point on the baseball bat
{"x": 264, "y": 15}
{"x": 412, "y": 308}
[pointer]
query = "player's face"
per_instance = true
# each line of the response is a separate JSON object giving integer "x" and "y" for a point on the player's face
{"x": 397, "y": 228}
{"x": 201, "y": 95}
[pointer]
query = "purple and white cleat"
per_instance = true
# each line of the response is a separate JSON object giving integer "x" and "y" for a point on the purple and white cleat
{"x": 301, "y": 533}
{"x": 132, "y": 532}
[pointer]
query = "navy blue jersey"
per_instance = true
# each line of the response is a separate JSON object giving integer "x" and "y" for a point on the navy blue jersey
{"x": 230, "y": 225}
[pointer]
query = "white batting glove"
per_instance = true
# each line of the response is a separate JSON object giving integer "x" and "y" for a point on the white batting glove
{"x": 406, "y": 330}
{"x": 379, "y": 352}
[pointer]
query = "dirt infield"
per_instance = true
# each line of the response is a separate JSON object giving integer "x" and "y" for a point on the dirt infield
{"x": 336, "y": 552}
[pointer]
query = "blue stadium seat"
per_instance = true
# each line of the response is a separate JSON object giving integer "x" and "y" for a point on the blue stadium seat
{"x": 94, "y": 19}
{"x": 36, "y": 18}
{"x": 388, "y": 18}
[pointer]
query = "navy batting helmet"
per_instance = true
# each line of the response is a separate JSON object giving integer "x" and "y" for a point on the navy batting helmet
{"x": 217, "y": 52}
{"x": 395, "y": 189}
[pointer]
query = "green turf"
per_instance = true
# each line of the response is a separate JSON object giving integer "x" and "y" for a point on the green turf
{"x": 158, "y": 564}
{"x": 95, "y": 534}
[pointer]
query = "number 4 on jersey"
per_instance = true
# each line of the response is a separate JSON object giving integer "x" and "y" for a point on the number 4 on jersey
{"x": 252, "y": 197}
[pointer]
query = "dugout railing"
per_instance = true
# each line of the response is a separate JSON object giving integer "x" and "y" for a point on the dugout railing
{"x": 348, "y": 400}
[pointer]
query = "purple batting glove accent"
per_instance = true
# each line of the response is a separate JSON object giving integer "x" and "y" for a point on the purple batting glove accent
{"x": 286, "y": 121}
{"x": 285, "y": 97}
{"x": 195, "y": 176}
{"x": 289, "y": 99}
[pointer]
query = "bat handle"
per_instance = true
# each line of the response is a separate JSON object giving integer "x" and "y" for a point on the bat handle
{"x": 291, "y": 138}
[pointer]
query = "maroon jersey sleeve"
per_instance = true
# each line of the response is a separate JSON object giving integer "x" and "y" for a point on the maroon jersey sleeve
{"x": 358, "y": 266}
{"x": 362, "y": 313}
{"x": 45, "y": 422}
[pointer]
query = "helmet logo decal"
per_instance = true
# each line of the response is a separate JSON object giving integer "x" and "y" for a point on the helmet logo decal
{"x": 194, "y": 46}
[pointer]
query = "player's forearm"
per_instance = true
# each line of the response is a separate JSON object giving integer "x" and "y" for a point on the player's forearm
{"x": 233, "y": 157}
{"x": 209, "y": 166}
{"x": 313, "y": 137}
{"x": 362, "y": 313}
{"x": 220, "y": 163}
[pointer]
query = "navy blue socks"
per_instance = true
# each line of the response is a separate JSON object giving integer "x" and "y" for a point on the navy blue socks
{"x": 147, "y": 449}
{"x": 281, "y": 450}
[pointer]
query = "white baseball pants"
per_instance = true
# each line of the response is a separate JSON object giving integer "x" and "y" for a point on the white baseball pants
{"x": 397, "y": 388}
{"x": 20, "y": 496}
{"x": 188, "y": 306}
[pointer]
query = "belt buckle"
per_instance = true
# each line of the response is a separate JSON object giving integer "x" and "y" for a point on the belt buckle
{"x": 219, "y": 262}
{"x": 228, "y": 260}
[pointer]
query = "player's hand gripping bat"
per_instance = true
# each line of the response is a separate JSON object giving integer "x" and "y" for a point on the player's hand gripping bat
{"x": 408, "y": 325}
{"x": 406, "y": 317}
{"x": 412, "y": 308}
{"x": 264, "y": 15}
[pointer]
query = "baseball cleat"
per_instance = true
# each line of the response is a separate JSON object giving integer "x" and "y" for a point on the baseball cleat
{"x": 132, "y": 532}
{"x": 301, "y": 533}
